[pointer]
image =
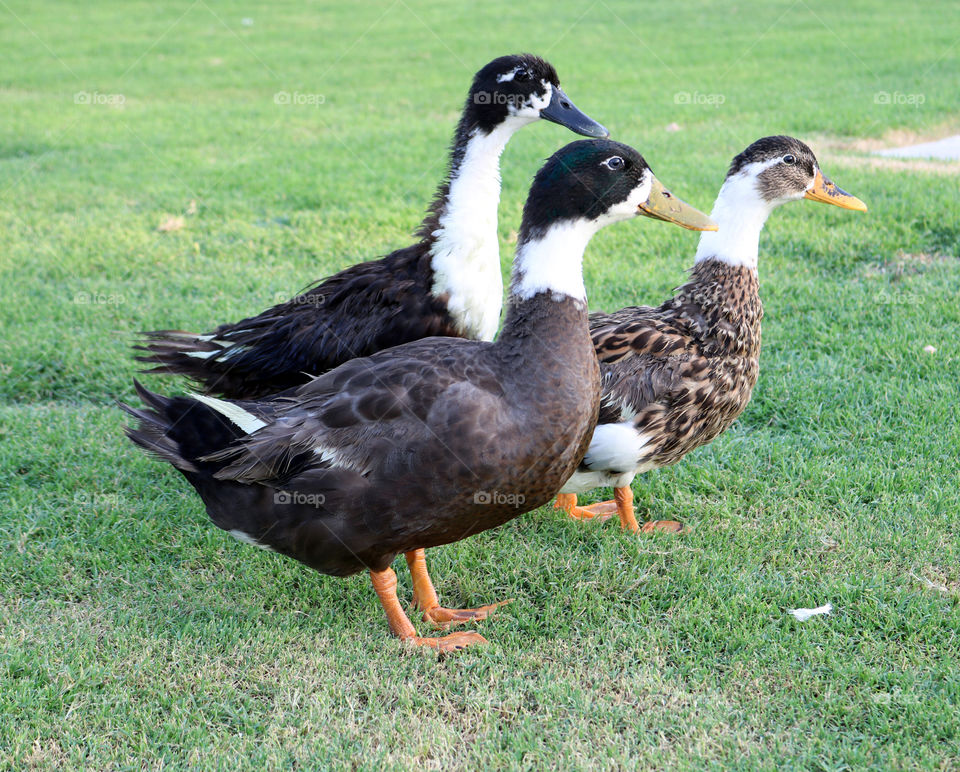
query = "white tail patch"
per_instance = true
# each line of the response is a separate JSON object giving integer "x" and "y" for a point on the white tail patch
{"x": 584, "y": 480}
{"x": 248, "y": 539}
{"x": 616, "y": 448}
{"x": 246, "y": 422}
{"x": 226, "y": 351}
{"x": 230, "y": 350}
{"x": 613, "y": 459}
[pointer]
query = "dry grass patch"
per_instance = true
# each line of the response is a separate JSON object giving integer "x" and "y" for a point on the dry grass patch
{"x": 907, "y": 264}
{"x": 859, "y": 152}
{"x": 938, "y": 579}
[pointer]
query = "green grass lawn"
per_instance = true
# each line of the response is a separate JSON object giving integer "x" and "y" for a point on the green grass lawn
{"x": 134, "y": 634}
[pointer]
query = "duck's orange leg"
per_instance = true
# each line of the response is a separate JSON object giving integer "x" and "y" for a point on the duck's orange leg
{"x": 628, "y": 521}
{"x": 425, "y": 597}
{"x": 621, "y": 505}
{"x": 385, "y": 584}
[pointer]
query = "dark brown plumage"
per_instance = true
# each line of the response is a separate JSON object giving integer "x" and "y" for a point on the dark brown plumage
{"x": 357, "y": 312}
{"x": 437, "y": 420}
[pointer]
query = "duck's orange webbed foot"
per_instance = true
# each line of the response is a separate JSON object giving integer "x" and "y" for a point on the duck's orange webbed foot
{"x": 623, "y": 497}
{"x": 665, "y": 526}
{"x": 385, "y": 585}
{"x": 425, "y": 597}
{"x": 602, "y": 511}
{"x": 449, "y": 643}
{"x": 444, "y": 617}
{"x": 621, "y": 505}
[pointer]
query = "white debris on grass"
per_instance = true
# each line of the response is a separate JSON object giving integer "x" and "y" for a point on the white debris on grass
{"x": 803, "y": 614}
{"x": 930, "y": 349}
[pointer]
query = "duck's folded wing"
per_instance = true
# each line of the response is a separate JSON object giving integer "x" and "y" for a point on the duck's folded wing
{"x": 639, "y": 331}
{"x": 361, "y": 310}
{"x": 350, "y": 419}
{"x": 641, "y": 387}
{"x": 649, "y": 359}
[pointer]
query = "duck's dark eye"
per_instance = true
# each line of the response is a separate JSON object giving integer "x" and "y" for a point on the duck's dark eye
{"x": 613, "y": 163}
{"x": 522, "y": 75}
{"x": 789, "y": 159}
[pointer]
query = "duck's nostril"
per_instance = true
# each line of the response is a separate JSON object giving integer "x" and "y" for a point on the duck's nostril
{"x": 565, "y": 105}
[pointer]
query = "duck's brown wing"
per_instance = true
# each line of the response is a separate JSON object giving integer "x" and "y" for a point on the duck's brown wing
{"x": 363, "y": 309}
{"x": 649, "y": 363}
{"x": 641, "y": 331}
{"x": 366, "y": 416}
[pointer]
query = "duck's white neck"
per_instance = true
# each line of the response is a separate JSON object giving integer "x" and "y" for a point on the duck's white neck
{"x": 740, "y": 212}
{"x": 465, "y": 255}
{"x": 553, "y": 262}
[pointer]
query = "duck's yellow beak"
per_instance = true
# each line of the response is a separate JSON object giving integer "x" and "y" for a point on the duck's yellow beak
{"x": 826, "y": 191}
{"x": 661, "y": 204}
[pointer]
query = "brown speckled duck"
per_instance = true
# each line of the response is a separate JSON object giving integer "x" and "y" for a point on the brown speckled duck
{"x": 676, "y": 376}
{"x": 426, "y": 443}
{"x": 448, "y": 283}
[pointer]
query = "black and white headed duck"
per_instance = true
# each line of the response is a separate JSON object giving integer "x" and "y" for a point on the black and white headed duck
{"x": 432, "y": 441}
{"x": 448, "y": 283}
{"x": 676, "y": 376}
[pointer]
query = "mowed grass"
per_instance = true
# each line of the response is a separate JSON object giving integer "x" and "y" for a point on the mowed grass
{"x": 134, "y": 634}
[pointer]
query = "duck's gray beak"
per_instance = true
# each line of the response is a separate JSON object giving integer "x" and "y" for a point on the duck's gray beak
{"x": 561, "y": 110}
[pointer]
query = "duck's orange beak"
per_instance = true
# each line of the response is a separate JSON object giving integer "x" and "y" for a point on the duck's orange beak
{"x": 826, "y": 191}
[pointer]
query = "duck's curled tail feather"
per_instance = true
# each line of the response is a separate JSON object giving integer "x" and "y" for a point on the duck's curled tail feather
{"x": 181, "y": 430}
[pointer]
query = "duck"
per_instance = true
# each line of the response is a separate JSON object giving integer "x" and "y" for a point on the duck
{"x": 448, "y": 283}
{"x": 431, "y": 441}
{"x": 675, "y": 376}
